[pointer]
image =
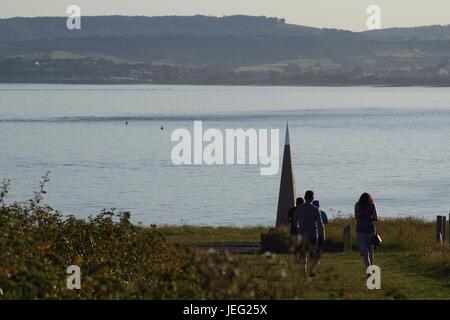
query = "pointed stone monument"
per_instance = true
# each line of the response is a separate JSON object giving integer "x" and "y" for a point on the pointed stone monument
{"x": 286, "y": 197}
{"x": 271, "y": 241}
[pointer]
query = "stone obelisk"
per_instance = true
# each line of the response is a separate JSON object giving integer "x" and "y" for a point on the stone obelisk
{"x": 286, "y": 197}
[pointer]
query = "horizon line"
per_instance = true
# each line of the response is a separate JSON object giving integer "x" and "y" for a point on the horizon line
{"x": 225, "y": 16}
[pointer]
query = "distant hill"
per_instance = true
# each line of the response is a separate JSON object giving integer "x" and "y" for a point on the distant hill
{"x": 256, "y": 47}
{"x": 436, "y": 32}
{"x": 232, "y": 40}
{"x": 17, "y": 29}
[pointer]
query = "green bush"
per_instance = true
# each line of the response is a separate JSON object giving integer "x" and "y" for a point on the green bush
{"x": 118, "y": 260}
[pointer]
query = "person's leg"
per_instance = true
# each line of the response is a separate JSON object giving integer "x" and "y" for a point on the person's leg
{"x": 296, "y": 253}
{"x": 309, "y": 252}
{"x": 367, "y": 261}
{"x": 314, "y": 258}
{"x": 306, "y": 265}
{"x": 302, "y": 255}
{"x": 319, "y": 248}
{"x": 303, "y": 259}
{"x": 371, "y": 250}
{"x": 295, "y": 245}
{"x": 313, "y": 269}
{"x": 363, "y": 246}
{"x": 309, "y": 249}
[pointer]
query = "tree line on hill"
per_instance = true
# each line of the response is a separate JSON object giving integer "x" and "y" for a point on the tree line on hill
{"x": 231, "y": 49}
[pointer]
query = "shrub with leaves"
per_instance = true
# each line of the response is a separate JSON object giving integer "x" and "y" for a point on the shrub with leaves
{"x": 118, "y": 260}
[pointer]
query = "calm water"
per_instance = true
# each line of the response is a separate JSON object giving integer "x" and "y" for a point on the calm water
{"x": 391, "y": 142}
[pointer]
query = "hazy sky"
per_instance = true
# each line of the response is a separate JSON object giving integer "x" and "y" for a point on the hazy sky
{"x": 343, "y": 14}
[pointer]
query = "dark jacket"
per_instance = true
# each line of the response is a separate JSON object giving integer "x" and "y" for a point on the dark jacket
{"x": 365, "y": 218}
{"x": 291, "y": 221}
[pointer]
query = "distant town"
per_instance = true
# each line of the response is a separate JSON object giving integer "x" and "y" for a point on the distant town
{"x": 102, "y": 71}
{"x": 232, "y": 50}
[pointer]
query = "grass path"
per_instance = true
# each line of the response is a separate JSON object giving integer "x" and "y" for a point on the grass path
{"x": 398, "y": 279}
{"x": 340, "y": 275}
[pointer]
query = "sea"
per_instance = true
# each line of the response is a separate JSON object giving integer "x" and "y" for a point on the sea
{"x": 110, "y": 146}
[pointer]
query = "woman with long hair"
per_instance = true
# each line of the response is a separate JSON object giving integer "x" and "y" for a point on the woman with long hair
{"x": 366, "y": 216}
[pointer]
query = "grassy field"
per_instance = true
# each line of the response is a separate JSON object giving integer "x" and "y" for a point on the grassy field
{"x": 119, "y": 260}
{"x": 302, "y": 63}
{"x": 412, "y": 265}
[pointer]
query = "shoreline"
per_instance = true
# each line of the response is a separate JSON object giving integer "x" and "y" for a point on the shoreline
{"x": 312, "y": 85}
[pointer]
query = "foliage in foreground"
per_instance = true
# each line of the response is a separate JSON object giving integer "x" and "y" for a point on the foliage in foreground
{"x": 118, "y": 260}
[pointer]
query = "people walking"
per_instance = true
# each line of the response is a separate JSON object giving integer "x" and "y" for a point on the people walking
{"x": 366, "y": 216}
{"x": 308, "y": 220}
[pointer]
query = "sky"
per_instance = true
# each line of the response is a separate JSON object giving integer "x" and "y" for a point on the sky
{"x": 341, "y": 14}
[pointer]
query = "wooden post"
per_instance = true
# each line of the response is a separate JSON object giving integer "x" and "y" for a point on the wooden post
{"x": 444, "y": 227}
{"x": 439, "y": 232}
{"x": 347, "y": 239}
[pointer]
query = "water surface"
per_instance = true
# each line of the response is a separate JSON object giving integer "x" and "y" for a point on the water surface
{"x": 391, "y": 142}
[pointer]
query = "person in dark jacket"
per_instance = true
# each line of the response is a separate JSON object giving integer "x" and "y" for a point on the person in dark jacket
{"x": 308, "y": 220}
{"x": 366, "y": 216}
{"x": 320, "y": 231}
{"x": 291, "y": 213}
